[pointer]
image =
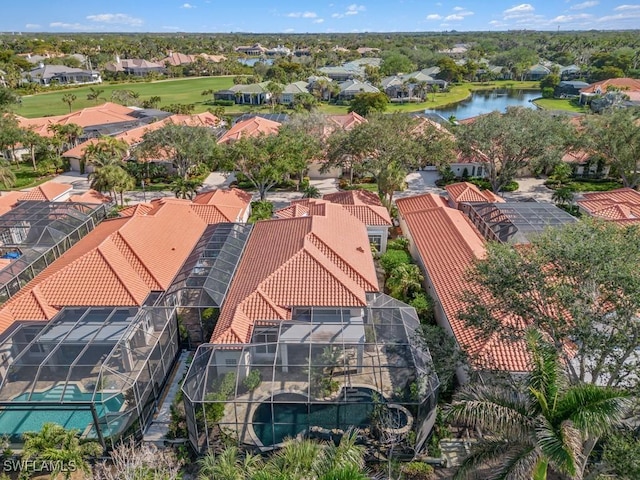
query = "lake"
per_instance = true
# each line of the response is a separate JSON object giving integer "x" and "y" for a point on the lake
{"x": 486, "y": 101}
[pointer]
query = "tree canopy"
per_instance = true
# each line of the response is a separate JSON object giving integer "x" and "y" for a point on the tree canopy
{"x": 369, "y": 102}
{"x": 520, "y": 138}
{"x": 580, "y": 285}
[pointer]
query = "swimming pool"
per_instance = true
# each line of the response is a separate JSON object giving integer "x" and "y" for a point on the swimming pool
{"x": 288, "y": 414}
{"x": 14, "y": 422}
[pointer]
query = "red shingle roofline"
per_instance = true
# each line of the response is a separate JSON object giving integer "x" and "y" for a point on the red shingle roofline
{"x": 470, "y": 193}
{"x": 625, "y": 83}
{"x": 620, "y": 205}
{"x": 251, "y": 127}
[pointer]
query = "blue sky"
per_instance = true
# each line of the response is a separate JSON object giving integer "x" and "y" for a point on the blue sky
{"x": 315, "y": 16}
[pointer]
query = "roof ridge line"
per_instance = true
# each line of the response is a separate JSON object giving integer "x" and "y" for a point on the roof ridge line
{"x": 124, "y": 240}
{"x": 104, "y": 257}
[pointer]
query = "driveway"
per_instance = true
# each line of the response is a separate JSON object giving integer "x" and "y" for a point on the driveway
{"x": 530, "y": 188}
{"x": 420, "y": 182}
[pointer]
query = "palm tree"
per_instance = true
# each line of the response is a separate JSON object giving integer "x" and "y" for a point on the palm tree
{"x": 229, "y": 465}
{"x": 61, "y": 447}
{"x": 404, "y": 279}
{"x": 391, "y": 179}
{"x": 186, "y": 188}
{"x": 94, "y": 94}
{"x": 32, "y": 140}
{"x": 275, "y": 89}
{"x": 69, "y": 98}
{"x": 310, "y": 191}
{"x": 7, "y": 177}
{"x": 548, "y": 425}
{"x": 563, "y": 196}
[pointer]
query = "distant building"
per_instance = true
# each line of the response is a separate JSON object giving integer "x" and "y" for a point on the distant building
{"x": 61, "y": 75}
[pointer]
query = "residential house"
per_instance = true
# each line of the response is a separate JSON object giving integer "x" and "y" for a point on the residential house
{"x": 102, "y": 314}
{"x": 45, "y": 192}
{"x": 363, "y": 205}
{"x": 570, "y": 72}
{"x": 444, "y": 243}
{"x": 252, "y": 94}
{"x": 254, "y": 50}
{"x": 351, "y": 88}
{"x": 134, "y": 136}
{"x": 620, "y": 206}
{"x": 176, "y": 59}
{"x": 251, "y": 127}
{"x": 584, "y": 164}
{"x": 349, "y": 70}
{"x": 569, "y": 88}
{"x": 465, "y": 192}
{"x": 137, "y": 67}
{"x": 288, "y": 95}
{"x": 367, "y": 50}
{"x": 278, "y": 51}
{"x": 536, "y": 72}
{"x": 61, "y": 75}
{"x": 628, "y": 86}
{"x": 298, "y": 303}
{"x": 410, "y": 86}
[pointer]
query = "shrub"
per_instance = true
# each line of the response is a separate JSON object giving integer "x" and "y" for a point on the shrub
{"x": 260, "y": 211}
{"x": 393, "y": 258}
{"x": 423, "y": 306}
{"x": 547, "y": 92}
{"x": 512, "y": 186}
{"x": 417, "y": 471}
{"x": 398, "y": 244}
{"x": 224, "y": 103}
{"x": 252, "y": 380}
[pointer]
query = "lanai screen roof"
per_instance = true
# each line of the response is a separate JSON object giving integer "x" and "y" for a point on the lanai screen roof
{"x": 207, "y": 273}
{"x": 513, "y": 222}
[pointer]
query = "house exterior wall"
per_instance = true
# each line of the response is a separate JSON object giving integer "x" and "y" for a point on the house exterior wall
{"x": 314, "y": 172}
{"x": 378, "y": 231}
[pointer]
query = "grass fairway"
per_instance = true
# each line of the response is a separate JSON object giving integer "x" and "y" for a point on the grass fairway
{"x": 183, "y": 90}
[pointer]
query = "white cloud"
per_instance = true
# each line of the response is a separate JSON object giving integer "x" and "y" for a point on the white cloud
{"x": 318, "y": 20}
{"x": 464, "y": 13}
{"x": 354, "y": 9}
{"x": 519, "y": 9}
{"x": 434, "y": 16}
{"x": 497, "y": 23}
{"x": 302, "y": 15}
{"x": 187, "y": 5}
{"x": 571, "y": 18}
{"x": 583, "y": 5}
{"x": 32, "y": 25}
{"x": 619, "y": 17}
{"x": 458, "y": 9}
{"x": 289, "y": 30}
{"x": 453, "y": 18}
{"x": 336, "y": 15}
{"x": 621, "y": 8}
{"x": 70, "y": 26}
{"x": 116, "y": 18}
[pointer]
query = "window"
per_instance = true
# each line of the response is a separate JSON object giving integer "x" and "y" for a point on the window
{"x": 376, "y": 241}
{"x": 231, "y": 362}
{"x": 479, "y": 171}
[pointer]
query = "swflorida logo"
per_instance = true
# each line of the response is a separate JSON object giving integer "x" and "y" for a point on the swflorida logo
{"x": 45, "y": 466}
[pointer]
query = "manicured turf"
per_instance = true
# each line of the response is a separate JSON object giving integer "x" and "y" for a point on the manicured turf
{"x": 189, "y": 91}
{"x": 184, "y": 91}
{"x": 25, "y": 177}
{"x": 559, "y": 104}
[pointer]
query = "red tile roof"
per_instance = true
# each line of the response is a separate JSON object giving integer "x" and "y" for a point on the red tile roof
{"x": 625, "y": 84}
{"x": 447, "y": 244}
{"x": 310, "y": 261}
{"x": 622, "y": 204}
{"x": 47, "y": 191}
{"x": 90, "y": 196}
{"x": 120, "y": 262}
{"x": 8, "y": 200}
{"x": 470, "y": 193}
{"x": 368, "y": 213}
{"x": 232, "y": 203}
{"x": 134, "y": 136}
{"x": 353, "y": 197}
{"x": 418, "y": 203}
{"x": 252, "y": 127}
{"x": 347, "y": 121}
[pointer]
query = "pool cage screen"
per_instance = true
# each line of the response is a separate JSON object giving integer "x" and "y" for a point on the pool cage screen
{"x": 96, "y": 370}
{"x": 319, "y": 374}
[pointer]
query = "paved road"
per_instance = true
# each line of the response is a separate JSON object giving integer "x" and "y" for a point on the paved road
{"x": 417, "y": 182}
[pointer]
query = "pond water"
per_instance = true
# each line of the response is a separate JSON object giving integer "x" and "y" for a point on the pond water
{"x": 487, "y": 101}
{"x": 251, "y": 62}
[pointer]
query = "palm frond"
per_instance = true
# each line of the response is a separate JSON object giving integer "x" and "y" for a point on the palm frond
{"x": 546, "y": 375}
{"x": 561, "y": 446}
{"x": 518, "y": 463}
{"x": 594, "y": 410}
{"x": 488, "y": 453}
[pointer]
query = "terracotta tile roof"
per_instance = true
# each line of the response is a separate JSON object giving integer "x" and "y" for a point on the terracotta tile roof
{"x": 138, "y": 209}
{"x": 348, "y": 121}
{"x": 370, "y": 215}
{"x": 622, "y": 204}
{"x": 625, "y": 84}
{"x": 353, "y": 197}
{"x": 90, "y": 196}
{"x": 47, "y": 191}
{"x": 251, "y": 127}
{"x": 38, "y": 125}
{"x": 231, "y": 202}
{"x": 424, "y": 123}
{"x": 134, "y": 136}
{"x": 120, "y": 262}
{"x": 418, "y": 203}
{"x": 8, "y": 200}
{"x": 293, "y": 211}
{"x": 308, "y": 261}
{"x": 470, "y": 193}
{"x": 447, "y": 244}
{"x": 99, "y": 115}
{"x": 578, "y": 157}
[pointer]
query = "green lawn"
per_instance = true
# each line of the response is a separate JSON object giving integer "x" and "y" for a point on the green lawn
{"x": 183, "y": 90}
{"x": 594, "y": 186}
{"x": 559, "y": 104}
{"x": 26, "y": 177}
{"x": 189, "y": 91}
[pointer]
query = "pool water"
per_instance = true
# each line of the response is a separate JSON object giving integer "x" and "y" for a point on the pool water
{"x": 15, "y": 422}
{"x": 293, "y": 414}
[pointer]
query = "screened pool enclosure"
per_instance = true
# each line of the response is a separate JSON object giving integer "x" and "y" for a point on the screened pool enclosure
{"x": 319, "y": 374}
{"x": 96, "y": 370}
